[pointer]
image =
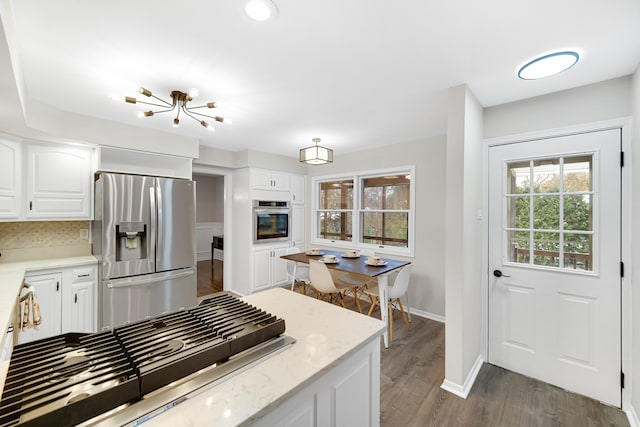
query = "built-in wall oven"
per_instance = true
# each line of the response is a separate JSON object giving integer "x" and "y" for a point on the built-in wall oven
{"x": 271, "y": 221}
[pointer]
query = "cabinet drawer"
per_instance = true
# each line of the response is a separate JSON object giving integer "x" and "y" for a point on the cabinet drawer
{"x": 79, "y": 275}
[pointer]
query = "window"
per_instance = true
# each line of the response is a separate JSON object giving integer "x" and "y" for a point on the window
{"x": 550, "y": 205}
{"x": 366, "y": 210}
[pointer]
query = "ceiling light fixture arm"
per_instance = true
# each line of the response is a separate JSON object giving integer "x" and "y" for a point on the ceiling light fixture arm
{"x": 178, "y": 99}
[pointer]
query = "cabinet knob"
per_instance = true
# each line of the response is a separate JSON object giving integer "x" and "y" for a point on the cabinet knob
{"x": 75, "y": 299}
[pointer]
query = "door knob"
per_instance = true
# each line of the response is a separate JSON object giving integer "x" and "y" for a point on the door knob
{"x": 498, "y": 273}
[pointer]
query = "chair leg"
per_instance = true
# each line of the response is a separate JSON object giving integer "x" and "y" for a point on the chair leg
{"x": 355, "y": 296}
{"x": 373, "y": 304}
{"x": 391, "y": 322}
{"x": 341, "y": 300}
{"x": 404, "y": 315}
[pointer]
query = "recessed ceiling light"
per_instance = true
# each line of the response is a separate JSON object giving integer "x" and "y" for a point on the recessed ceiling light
{"x": 548, "y": 65}
{"x": 261, "y": 10}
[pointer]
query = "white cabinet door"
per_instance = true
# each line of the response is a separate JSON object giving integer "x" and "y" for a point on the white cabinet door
{"x": 261, "y": 179}
{"x": 10, "y": 182}
{"x": 262, "y": 269}
{"x": 58, "y": 181}
{"x": 269, "y": 180}
{"x": 281, "y": 181}
{"x": 298, "y": 185}
{"x": 79, "y": 299}
{"x": 48, "y": 293}
{"x": 268, "y": 268}
{"x": 279, "y": 267}
{"x": 80, "y": 314}
{"x": 298, "y": 227}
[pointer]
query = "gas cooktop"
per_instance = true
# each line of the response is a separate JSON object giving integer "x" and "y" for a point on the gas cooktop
{"x": 72, "y": 378}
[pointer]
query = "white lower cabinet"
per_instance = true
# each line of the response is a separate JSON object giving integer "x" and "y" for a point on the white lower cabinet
{"x": 79, "y": 300}
{"x": 67, "y": 300}
{"x": 47, "y": 288}
{"x": 347, "y": 394}
{"x": 269, "y": 269}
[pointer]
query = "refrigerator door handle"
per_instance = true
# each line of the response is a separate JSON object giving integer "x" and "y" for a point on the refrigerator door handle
{"x": 145, "y": 280}
{"x": 160, "y": 249}
{"x": 154, "y": 224}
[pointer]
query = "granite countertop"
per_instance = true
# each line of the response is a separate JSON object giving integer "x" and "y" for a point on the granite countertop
{"x": 322, "y": 340}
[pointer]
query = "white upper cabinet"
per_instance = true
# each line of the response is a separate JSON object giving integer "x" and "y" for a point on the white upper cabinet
{"x": 58, "y": 182}
{"x": 298, "y": 183}
{"x": 269, "y": 180}
{"x": 10, "y": 188}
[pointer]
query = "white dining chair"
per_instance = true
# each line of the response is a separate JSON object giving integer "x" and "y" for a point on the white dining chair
{"x": 297, "y": 272}
{"x": 394, "y": 293}
{"x": 355, "y": 282}
{"x": 323, "y": 284}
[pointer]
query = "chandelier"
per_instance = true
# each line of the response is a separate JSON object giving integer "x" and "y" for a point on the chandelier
{"x": 181, "y": 101}
{"x": 316, "y": 154}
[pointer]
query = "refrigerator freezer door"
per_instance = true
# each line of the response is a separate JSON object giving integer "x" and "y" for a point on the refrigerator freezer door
{"x": 176, "y": 230}
{"x": 127, "y": 235}
{"x": 135, "y": 298}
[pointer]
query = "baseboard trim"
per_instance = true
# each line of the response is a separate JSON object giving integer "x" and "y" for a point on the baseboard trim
{"x": 427, "y": 315}
{"x": 463, "y": 390}
{"x": 632, "y": 417}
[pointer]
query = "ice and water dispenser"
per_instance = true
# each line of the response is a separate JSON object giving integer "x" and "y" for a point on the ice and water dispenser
{"x": 131, "y": 241}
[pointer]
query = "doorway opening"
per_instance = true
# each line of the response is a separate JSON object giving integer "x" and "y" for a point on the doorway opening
{"x": 210, "y": 232}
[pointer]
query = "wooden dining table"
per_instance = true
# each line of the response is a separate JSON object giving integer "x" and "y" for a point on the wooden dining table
{"x": 358, "y": 265}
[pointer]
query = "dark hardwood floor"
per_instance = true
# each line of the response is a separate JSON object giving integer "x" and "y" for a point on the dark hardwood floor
{"x": 206, "y": 283}
{"x": 412, "y": 370}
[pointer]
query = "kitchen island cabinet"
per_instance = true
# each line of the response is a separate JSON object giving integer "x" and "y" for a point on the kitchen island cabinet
{"x": 329, "y": 377}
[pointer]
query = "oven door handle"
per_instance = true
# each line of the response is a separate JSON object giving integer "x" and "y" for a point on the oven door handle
{"x": 145, "y": 280}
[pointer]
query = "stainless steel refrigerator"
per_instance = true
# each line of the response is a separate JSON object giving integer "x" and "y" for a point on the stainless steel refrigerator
{"x": 144, "y": 238}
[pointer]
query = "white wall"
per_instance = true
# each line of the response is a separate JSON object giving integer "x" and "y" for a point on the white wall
{"x": 426, "y": 290}
{"x": 463, "y": 247}
{"x": 209, "y": 198}
{"x": 250, "y": 158}
{"x": 635, "y": 248}
{"x": 600, "y": 101}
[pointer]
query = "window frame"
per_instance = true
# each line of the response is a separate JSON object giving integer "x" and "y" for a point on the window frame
{"x": 357, "y": 210}
{"x": 594, "y": 194}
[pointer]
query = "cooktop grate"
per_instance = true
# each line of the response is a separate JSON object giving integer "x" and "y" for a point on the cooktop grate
{"x": 71, "y": 378}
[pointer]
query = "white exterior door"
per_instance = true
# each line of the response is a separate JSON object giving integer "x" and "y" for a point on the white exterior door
{"x": 555, "y": 261}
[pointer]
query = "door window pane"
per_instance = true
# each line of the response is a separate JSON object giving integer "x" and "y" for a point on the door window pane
{"x": 546, "y": 249}
{"x": 518, "y": 177}
{"x": 518, "y": 247}
{"x": 578, "y": 251}
{"x": 578, "y": 212}
{"x": 577, "y": 174}
{"x": 546, "y": 212}
{"x": 546, "y": 176}
{"x": 518, "y": 215}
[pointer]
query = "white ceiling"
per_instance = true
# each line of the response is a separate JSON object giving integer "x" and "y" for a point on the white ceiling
{"x": 355, "y": 73}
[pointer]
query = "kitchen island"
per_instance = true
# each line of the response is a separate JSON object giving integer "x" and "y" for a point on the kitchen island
{"x": 329, "y": 376}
